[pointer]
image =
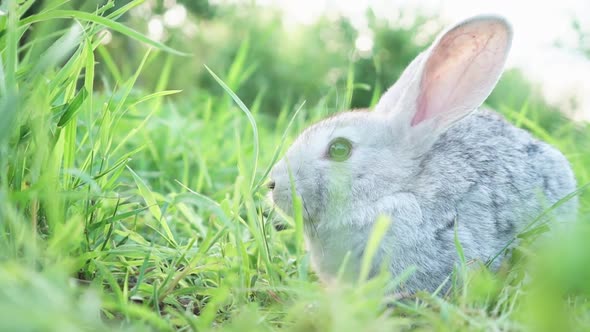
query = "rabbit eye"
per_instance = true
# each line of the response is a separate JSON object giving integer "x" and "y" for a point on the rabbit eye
{"x": 339, "y": 149}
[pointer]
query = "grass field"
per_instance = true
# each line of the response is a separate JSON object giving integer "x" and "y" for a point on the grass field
{"x": 143, "y": 209}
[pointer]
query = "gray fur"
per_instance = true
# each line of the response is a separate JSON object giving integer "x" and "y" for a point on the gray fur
{"x": 479, "y": 171}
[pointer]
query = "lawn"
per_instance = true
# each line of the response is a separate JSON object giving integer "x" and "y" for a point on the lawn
{"x": 131, "y": 200}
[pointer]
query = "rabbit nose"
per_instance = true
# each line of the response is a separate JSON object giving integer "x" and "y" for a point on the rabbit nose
{"x": 271, "y": 185}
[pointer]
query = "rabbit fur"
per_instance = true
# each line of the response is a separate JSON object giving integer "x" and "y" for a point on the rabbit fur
{"x": 429, "y": 158}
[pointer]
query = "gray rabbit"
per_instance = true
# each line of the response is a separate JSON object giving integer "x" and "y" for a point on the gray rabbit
{"x": 428, "y": 158}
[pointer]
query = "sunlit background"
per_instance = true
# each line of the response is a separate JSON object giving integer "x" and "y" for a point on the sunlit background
{"x": 544, "y": 40}
{"x": 547, "y": 47}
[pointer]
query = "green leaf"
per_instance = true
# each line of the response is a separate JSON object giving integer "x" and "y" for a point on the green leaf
{"x": 72, "y": 108}
{"x": 377, "y": 234}
{"x": 250, "y": 117}
{"x": 150, "y": 200}
{"x": 115, "y": 26}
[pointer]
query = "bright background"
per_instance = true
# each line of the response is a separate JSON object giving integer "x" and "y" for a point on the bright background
{"x": 544, "y": 44}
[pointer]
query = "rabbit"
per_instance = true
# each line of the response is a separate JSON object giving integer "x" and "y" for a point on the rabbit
{"x": 431, "y": 159}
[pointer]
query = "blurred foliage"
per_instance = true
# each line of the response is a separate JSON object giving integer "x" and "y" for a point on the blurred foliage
{"x": 281, "y": 65}
{"x": 290, "y": 65}
{"x": 583, "y": 38}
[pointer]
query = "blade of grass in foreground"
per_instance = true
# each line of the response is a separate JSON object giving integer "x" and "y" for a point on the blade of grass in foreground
{"x": 528, "y": 227}
{"x": 115, "y": 26}
{"x": 155, "y": 97}
{"x": 278, "y": 149}
{"x": 250, "y": 118}
{"x": 213, "y": 205}
{"x": 8, "y": 100}
{"x": 150, "y": 200}
{"x": 379, "y": 230}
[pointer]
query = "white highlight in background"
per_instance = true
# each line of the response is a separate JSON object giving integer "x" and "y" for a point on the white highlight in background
{"x": 156, "y": 29}
{"x": 175, "y": 16}
{"x": 364, "y": 43}
{"x": 562, "y": 74}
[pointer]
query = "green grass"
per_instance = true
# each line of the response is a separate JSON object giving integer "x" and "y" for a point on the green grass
{"x": 123, "y": 209}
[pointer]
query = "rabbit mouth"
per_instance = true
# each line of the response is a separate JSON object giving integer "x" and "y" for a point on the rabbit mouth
{"x": 283, "y": 199}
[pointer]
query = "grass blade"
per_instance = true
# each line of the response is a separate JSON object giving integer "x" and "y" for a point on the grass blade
{"x": 115, "y": 26}
{"x": 377, "y": 234}
{"x": 152, "y": 204}
{"x": 246, "y": 111}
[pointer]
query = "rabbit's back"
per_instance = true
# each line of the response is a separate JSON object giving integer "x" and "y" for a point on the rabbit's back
{"x": 492, "y": 178}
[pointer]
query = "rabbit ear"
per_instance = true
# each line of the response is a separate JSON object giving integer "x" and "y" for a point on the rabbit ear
{"x": 453, "y": 77}
{"x": 394, "y": 94}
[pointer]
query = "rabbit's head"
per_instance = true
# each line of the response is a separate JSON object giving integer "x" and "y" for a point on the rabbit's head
{"x": 342, "y": 165}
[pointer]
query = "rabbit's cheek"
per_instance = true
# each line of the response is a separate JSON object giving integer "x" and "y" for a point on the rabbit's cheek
{"x": 282, "y": 199}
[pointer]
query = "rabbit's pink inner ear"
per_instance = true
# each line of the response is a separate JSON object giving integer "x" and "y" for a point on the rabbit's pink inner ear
{"x": 461, "y": 70}
{"x": 421, "y": 110}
